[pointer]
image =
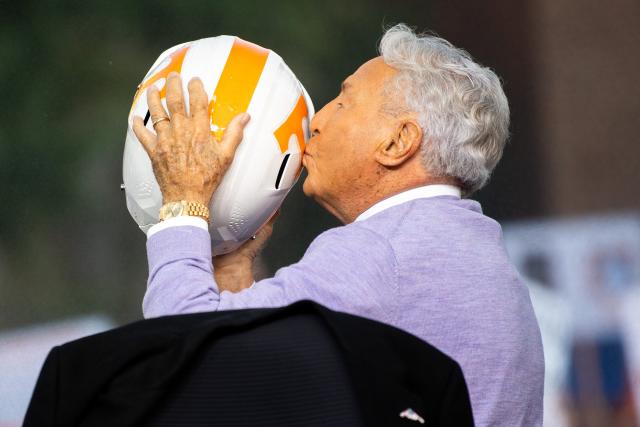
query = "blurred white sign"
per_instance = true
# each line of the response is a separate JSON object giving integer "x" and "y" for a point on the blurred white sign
{"x": 593, "y": 263}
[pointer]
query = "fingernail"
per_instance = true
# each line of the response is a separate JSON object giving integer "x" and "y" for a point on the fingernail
{"x": 245, "y": 118}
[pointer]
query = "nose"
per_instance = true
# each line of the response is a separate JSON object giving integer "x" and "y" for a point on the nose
{"x": 317, "y": 122}
{"x": 314, "y": 126}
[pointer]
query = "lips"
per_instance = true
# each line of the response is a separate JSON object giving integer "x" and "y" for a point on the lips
{"x": 304, "y": 158}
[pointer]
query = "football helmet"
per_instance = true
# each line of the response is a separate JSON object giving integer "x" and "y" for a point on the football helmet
{"x": 238, "y": 76}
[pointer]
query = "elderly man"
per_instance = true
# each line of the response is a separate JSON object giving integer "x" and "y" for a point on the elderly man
{"x": 410, "y": 132}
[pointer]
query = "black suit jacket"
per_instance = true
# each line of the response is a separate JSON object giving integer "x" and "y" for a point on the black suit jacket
{"x": 298, "y": 365}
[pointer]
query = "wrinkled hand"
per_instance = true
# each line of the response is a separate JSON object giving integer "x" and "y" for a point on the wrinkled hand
{"x": 234, "y": 271}
{"x": 187, "y": 160}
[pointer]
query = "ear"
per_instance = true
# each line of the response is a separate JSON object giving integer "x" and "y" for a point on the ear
{"x": 401, "y": 146}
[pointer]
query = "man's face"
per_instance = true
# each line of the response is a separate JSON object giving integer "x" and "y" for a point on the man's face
{"x": 339, "y": 157}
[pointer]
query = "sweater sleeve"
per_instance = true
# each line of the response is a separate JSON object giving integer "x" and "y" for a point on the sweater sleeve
{"x": 348, "y": 268}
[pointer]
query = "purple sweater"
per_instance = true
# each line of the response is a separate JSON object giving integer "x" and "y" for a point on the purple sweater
{"x": 434, "y": 267}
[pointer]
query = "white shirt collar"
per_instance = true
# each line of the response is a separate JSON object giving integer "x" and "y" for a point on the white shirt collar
{"x": 415, "y": 193}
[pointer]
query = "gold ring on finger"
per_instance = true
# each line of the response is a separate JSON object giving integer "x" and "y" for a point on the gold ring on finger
{"x": 156, "y": 121}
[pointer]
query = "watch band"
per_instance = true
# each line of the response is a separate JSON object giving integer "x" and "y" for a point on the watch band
{"x": 197, "y": 209}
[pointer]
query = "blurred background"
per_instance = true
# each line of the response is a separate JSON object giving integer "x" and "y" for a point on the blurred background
{"x": 72, "y": 261}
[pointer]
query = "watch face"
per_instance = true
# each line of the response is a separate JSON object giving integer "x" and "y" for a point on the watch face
{"x": 171, "y": 210}
{"x": 176, "y": 209}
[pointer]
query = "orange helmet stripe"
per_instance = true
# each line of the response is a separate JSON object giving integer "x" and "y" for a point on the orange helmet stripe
{"x": 236, "y": 85}
{"x": 293, "y": 126}
{"x": 175, "y": 64}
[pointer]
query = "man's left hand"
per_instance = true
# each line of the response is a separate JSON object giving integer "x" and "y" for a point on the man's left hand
{"x": 187, "y": 160}
{"x": 234, "y": 271}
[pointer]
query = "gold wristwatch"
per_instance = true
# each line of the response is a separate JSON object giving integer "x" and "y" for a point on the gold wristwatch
{"x": 184, "y": 208}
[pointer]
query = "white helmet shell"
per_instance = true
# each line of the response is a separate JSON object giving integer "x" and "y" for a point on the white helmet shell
{"x": 238, "y": 76}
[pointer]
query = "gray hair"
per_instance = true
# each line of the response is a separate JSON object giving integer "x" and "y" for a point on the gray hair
{"x": 460, "y": 104}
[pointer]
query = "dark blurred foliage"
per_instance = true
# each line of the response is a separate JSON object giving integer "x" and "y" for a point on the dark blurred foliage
{"x": 69, "y": 70}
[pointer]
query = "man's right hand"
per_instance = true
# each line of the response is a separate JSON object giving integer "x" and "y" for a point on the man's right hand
{"x": 234, "y": 271}
{"x": 188, "y": 162}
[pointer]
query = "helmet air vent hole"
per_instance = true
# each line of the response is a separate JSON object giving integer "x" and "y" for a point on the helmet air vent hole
{"x": 281, "y": 171}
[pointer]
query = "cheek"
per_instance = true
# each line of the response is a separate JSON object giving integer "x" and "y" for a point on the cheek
{"x": 339, "y": 150}
{"x": 337, "y": 147}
